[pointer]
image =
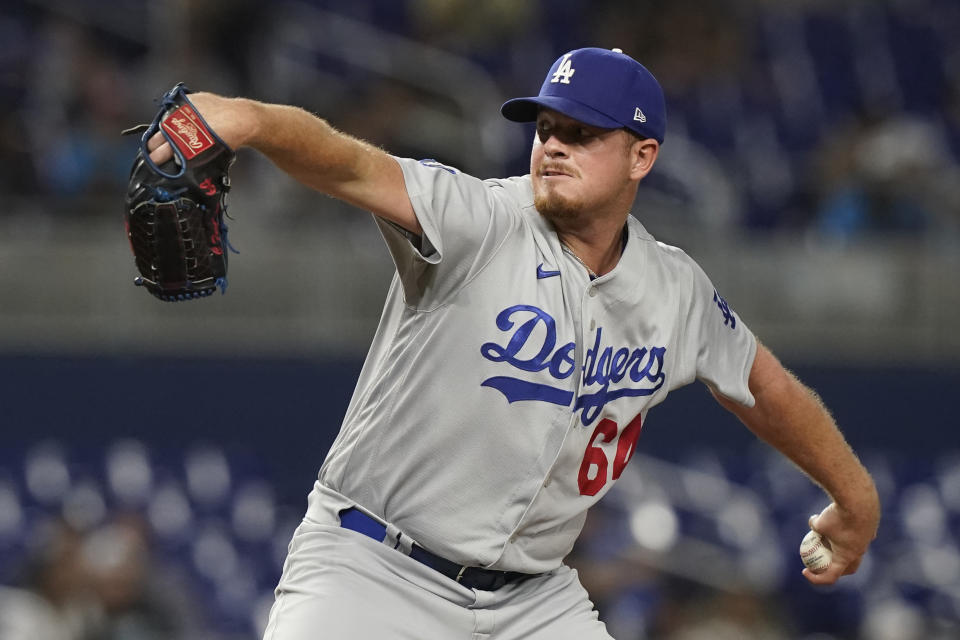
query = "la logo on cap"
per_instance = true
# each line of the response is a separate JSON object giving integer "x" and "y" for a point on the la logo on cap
{"x": 564, "y": 71}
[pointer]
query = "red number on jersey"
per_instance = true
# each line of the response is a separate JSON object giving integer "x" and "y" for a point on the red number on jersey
{"x": 627, "y": 445}
{"x": 594, "y": 457}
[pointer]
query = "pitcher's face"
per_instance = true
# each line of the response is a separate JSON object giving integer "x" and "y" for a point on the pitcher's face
{"x": 578, "y": 169}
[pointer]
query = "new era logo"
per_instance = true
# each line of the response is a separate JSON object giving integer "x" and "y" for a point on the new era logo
{"x": 638, "y": 115}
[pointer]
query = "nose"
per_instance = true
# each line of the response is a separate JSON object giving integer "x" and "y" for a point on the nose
{"x": 553, "y": 147}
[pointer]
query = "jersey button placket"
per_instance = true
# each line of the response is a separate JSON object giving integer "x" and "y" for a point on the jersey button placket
{"x": 588, "y": 326}
{"x": 592, "y": 292}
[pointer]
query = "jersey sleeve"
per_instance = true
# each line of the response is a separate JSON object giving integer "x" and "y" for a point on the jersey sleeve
{"x": 724, "y": 347}
{"x": 464, "y": 220}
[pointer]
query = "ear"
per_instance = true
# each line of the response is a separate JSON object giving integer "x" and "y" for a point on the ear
{"x": 643, "y": 153}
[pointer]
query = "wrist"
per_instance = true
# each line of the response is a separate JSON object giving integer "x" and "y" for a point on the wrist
{"x": 860, "y": 501}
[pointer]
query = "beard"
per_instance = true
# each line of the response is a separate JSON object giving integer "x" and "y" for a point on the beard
{"x": 555, "y": 207}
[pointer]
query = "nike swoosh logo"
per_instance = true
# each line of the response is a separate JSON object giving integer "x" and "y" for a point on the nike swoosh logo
{"x": 541, "y": 273}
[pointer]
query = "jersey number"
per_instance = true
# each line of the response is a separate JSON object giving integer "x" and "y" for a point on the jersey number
{"x": 595, "y": 459}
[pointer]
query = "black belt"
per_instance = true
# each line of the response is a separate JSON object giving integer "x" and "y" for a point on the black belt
{"x": 470, "y": 577}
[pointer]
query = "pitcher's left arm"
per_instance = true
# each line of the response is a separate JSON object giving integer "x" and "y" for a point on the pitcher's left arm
{"x": 791, "y": 417}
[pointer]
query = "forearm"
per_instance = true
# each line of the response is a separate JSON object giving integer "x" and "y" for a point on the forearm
{"x": 307, "y": 148}
{"x": 790, "y": 417}
{"x": 796, "y": 423}
{"x": 310, "y": 150}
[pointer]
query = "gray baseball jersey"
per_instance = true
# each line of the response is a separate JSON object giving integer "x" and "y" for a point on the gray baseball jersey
{"x": 505, "y": 390}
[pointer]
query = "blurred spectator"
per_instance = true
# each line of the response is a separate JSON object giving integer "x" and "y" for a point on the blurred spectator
{"x": 887, "y": 172}
{"x": 691, "y": 612}
{"x": 98, "y": 585}
{"x": 132, "y": 600}
{"x": 73, "y": 118}
{"x": 53, "y": 601}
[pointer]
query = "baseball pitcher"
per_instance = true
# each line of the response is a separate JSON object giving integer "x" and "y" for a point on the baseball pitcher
{"x": 530, "y": 327}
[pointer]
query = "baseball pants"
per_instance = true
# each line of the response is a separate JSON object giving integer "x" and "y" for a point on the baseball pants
{"x": 338, "y": 583}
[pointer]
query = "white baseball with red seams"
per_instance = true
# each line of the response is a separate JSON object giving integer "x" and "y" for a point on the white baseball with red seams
{"x": 815, "y": 552}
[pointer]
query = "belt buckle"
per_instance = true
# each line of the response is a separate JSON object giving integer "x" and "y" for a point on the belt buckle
{"x": 460, "y": 574}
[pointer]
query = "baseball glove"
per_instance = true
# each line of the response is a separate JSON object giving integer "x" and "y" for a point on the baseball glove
{"x": 174, "y": 212}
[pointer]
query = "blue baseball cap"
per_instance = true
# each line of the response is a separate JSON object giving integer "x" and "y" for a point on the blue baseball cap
{"x": 600, "y": 87}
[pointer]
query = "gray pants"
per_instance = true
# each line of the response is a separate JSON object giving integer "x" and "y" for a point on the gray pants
{"x": 338, "y": 583}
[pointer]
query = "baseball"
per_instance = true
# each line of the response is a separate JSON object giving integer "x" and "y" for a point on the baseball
{"x": 815, "y": 552}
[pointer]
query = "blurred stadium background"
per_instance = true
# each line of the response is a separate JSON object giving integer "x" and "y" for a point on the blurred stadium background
{"x": 154, "y": 459}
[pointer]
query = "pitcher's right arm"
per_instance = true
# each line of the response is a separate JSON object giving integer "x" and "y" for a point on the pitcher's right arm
{"x": 310, "y": 150}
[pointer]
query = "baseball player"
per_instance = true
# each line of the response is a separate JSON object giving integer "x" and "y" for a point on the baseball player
{"x": 530, "y": 327}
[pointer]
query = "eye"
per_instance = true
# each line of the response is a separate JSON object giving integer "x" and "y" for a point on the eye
{"x": 543, "y": 131}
